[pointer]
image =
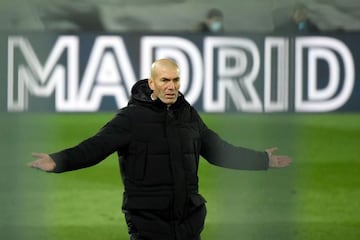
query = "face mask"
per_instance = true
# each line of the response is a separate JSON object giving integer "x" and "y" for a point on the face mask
{"x": 215, "y": 26}
{"x": 302, "y": 26}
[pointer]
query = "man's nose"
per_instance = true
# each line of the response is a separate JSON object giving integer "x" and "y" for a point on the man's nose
{"x": 171, "y": 85}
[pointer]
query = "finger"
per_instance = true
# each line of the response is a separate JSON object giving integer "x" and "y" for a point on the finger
{"x": 271, "y": 150}
{"x": 284, "y": 162}
{"x": 37, "y": 165}
{"x": 280, "y": 157}
{"x": 37, "y": 155}
{"x": 33, "y": 164}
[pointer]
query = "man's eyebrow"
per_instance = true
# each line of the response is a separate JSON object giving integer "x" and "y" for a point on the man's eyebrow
{"x": 168, "y": 79}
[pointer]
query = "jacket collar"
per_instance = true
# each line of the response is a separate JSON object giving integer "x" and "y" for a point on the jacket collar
{"x": 141, "y": 94}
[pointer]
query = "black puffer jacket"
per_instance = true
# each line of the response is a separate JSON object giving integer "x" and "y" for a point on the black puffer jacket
{"x": 159, "y": 149}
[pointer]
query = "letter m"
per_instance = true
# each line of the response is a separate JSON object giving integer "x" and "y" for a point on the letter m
{"x": 26, "y": 74}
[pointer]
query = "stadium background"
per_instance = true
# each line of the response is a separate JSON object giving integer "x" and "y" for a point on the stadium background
{"x": 316, "y": 198}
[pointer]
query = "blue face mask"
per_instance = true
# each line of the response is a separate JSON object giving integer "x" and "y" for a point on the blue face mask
{"x": 215, "y": 26}
{"x": 302, "y": 26}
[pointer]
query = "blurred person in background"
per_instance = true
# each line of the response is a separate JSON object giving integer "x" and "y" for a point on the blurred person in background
{"x": 298, "y": 22}
{"x": 213, "y": 23}
{"x": 159, "y": 139}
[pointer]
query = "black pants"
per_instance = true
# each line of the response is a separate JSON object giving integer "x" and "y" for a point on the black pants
{"x": 159, "y": 224}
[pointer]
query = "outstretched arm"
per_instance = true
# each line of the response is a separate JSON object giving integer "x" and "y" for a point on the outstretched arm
{"x": 221, "y": 153}
{"x": 277, "y": 161}
{"x": 114, "y": 136}
{"x": 43, "y": 162}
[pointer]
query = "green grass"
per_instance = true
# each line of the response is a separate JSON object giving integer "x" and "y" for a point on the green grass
{"x": 328, "y": 202}
{"x": 316, "y": 198}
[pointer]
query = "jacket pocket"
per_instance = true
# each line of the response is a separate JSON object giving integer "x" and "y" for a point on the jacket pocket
{"x": 194, "y": 222}
{"x": 197, "y": 200}
{"x": 147, "y": 216}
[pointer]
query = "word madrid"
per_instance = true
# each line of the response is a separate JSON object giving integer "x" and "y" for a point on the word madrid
{"x": 310, "y": 73}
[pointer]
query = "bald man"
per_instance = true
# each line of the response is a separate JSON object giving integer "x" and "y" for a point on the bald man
{"x": 159, "y": 138}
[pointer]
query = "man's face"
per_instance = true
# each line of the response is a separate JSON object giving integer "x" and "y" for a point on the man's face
{"x": 299, "y": 15}
{"x": 165, "y": 84}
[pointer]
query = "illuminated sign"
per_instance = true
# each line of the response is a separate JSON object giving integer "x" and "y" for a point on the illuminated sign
{"x": 218, "y": 73}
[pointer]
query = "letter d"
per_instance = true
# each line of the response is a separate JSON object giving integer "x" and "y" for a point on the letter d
{"x": 332, "y": 96}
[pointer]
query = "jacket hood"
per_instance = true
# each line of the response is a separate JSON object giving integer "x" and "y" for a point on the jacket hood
{"x": 141, "y": 94}
{"x": 141, "y": 91}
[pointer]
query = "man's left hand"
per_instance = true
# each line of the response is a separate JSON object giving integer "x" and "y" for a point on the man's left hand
{"x": 277, "y": 161}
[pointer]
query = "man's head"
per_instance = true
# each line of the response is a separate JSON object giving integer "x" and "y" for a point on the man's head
{"x": 299, "y": 13}
{"x": 165, "y": 81}
{"x": 214, "y": 20}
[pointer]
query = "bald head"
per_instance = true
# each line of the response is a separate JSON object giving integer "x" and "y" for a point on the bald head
{"x": 163, "y": 64}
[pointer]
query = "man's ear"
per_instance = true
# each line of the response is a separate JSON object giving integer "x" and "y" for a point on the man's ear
{"x": 151, "y": 84}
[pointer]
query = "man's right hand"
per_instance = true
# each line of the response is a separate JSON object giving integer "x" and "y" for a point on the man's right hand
{"x": 43, "y": 162}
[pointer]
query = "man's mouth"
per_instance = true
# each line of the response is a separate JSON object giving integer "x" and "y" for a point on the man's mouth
{"x": 170, "y": 95}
